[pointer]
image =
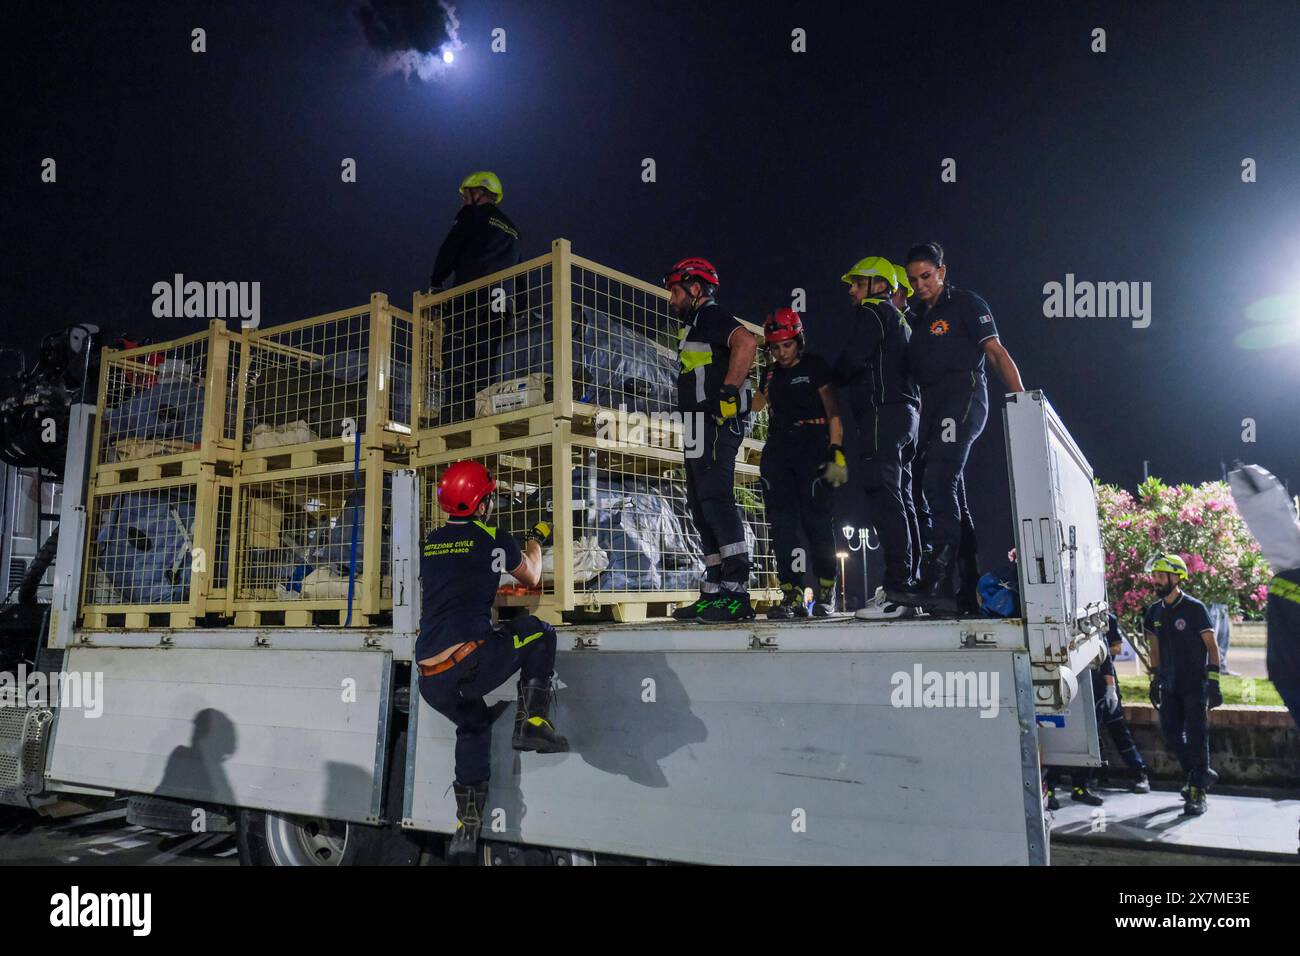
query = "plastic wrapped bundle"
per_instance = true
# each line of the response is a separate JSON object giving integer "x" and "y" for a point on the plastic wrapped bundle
{"x": 169, "y": 410}
{"x": 142, "y": 547}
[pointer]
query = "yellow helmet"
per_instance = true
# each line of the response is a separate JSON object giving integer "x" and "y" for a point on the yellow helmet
{"x": 873, "y": 266}
{"x": 1170, "y": 564}
{"x": 486, "y": 181}
{"x": 901, "y": 272}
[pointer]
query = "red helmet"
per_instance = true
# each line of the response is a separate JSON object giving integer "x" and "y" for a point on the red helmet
{"x": 692, "y": 267}
{"x": 463, "y": 487}
{"x": 782, "y": 327}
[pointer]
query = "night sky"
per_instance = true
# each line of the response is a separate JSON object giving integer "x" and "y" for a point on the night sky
{"x": 783, "y": 168}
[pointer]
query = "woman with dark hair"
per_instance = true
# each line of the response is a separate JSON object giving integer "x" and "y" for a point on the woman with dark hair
{"x": 953, "y": 333}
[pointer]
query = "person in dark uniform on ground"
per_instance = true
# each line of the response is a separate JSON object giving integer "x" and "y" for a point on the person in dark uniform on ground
{"x": 1110, "y": 715}
{"x": 462, "y": 656}
{"x": 1185, "y": 675}
{"x": 802, "y": 460}
{"x": 873, "y": 368}
{"x": 953, "y": 335}
{"x": 716, "y": 353}
{"x": 482, "y": 240}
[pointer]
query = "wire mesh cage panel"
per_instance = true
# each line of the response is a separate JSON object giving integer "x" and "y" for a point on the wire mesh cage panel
{"x": 154, "y": 410}
{"x": 486, "y": 347}
{"x": 313, "y": 546}
{"x": 321, "y": 382}
{"x": 525, "y": 474}
{"x": 158, "y": 552}
{"x": 623, "y": 542}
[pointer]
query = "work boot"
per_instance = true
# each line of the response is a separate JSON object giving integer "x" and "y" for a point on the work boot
{"x": 939, "y": 597}
{"x": 462, "y": 849}
{"x": 1142, "y": 784}
{"x": 1084, "y": 795}
{"x": 881, "y": 608}
{"x": 533, "y": 728}
{"x": 1195, "y": 804}
{"x": 729, "y": 607}
{"x": 786, "y": 609}
{"x": 689, "y": 612}
{"x": 824, "y": 606}
{"x": 1052, "y": 802}
{"x": 914, "y": 594}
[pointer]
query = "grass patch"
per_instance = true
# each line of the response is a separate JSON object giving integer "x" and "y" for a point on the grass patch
{"x": 1235, "y": 690}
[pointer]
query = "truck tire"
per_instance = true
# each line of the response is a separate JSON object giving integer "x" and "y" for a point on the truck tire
{"x": 177, "y": 816}
{"x": 275, "y": 839}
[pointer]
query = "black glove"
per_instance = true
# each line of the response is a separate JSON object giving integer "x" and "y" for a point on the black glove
{"x": 1213, "y": 693}
{"x": 728, "y": 406}
{"x": 1157, "y": 690}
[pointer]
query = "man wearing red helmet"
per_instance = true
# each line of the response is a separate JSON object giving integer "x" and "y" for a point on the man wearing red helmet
{"x": 462, "y": 656}
{"x": 715, "y": 353}
{"x": 802, "y": 460}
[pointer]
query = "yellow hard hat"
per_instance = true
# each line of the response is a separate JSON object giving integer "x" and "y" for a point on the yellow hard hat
{"x": 901, "y": 272}
{"x": 873, "y": 266}
{"x": 484, "y": 180}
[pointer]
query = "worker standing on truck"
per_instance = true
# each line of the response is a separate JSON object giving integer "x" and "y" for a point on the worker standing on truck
{"x": 802, "y": 460}
{"x": 713, "y": 396}
{"x": 462, "y": 656}
{"x": 886, "y": 407}
{"x": 954, "y": 333}
{"x": 482, "y": 240}
{"x": 1185, "y": 675}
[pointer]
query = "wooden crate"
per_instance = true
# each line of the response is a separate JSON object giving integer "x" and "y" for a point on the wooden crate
{"x": 164, "y": 409}
{"x": 293, "y": 558}
{"x": 557, "y": 469}
{"x": 158, "y": 552}
{"x": 315, "y": 388}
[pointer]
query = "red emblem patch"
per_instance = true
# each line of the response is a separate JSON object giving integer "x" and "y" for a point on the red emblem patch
{"x": 938, "y": 327}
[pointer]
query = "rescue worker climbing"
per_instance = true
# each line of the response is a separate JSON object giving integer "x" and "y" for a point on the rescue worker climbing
{"x": 1184, "y": 675}
{"x": 954, "y": 333}
{"x": 802, "y": 460}
{"x": 482, "y": 240}
{"x": 462, "y": 656}
{"x": 885, "y": 405}
{"x": 716, "y": 352}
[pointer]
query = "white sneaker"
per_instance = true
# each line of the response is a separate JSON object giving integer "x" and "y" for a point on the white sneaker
{"x": 881, "y": 608}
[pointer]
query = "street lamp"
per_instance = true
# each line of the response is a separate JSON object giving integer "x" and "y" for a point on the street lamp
{"x": 864, "y": 544}
{"x": 844, "y": 602}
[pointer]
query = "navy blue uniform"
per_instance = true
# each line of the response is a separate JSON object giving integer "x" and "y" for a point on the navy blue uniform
{"x": 704, "y": 355}
{"x": 1283, "y": 617}
{"x": 460, "y": 568}
{"x": 1115, "y": 723}
{"x": 797, "y": 500}
{"x": 1183, "y": 659}
{"x": 946, "y": 357}
{"x": 874, "y": 369}
{"x": 483, "y": 240}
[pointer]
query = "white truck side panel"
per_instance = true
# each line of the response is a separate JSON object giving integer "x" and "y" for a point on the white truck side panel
{"x": 760, "y": 757}
{"x": 263, "y": 729}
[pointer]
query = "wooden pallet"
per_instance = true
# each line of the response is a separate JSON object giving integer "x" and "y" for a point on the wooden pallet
{"x": 329, "y": 451}
{"x": 284, "y": 614}
{"x": 96, "y": 619}
{"x": 539, "y": 420}
{"x": 119, "y": 473}
{"x": 623, "y": 607}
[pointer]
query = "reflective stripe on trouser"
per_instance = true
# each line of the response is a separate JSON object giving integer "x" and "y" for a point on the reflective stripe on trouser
{"x": 525, "y": 644}
{"x": 1185, "y": 723}
{"x": 798, "y": 504}
{"x": 711, "y": 497}
{"x": 889, "y": 444}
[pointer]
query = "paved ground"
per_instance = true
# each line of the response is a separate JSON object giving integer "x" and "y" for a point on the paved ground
{"x": 1246, "y": 661}
{"x": 1262, "y": 827}
{"x": 105, "y": 839}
